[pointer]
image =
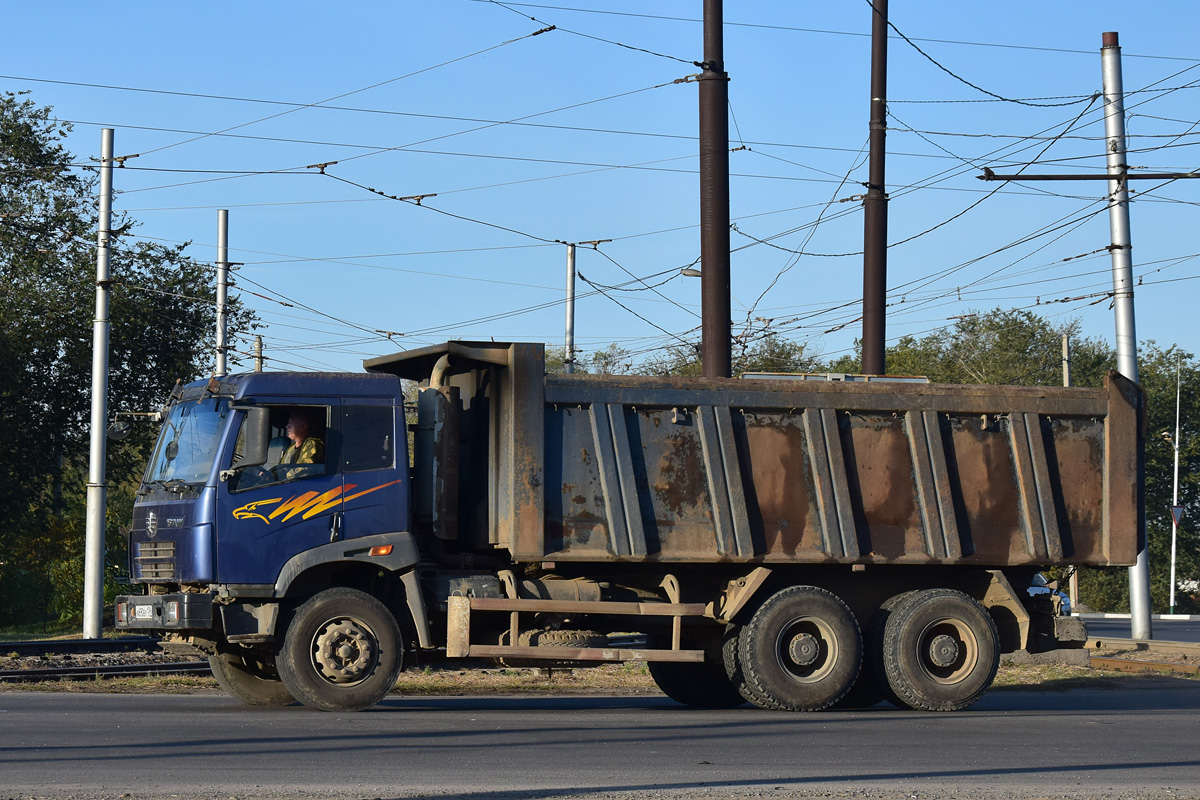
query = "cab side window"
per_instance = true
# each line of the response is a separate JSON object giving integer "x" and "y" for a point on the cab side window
{"x": 368, "y": 438}
{"x": 296, "y": 449}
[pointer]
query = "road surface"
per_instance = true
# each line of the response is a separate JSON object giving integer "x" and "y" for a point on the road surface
{"x": 1093, "y": 743}
{"x": 1174, "y": 630}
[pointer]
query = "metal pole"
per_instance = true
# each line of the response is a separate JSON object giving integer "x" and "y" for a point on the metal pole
{"x": 258, "y": 354}
{"x": 716, "y": 348}
{"x": 222, "y": 286}
{"x": 97, "y": 499}
{"x": 1073, "y": 584}
{"x": 1175, "y": 491}
{"x": 569, "y": 360}
{"x": 875, "y": 205}
{"x": 1122, "y": 272}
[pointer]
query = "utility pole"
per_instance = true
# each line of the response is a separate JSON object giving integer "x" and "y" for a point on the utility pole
{"x": 569, "y": 344}
{"x": 569, "y": 348}
{"x": 258, "y": 354}
{"x": 716, "y": 348}
{"x": 1118, "y": 176}
{"x": 97, "y": 499}
{"x": 875, "y": 205}
{"x": 1176, "y": 511}
{"x": 1122, "y": 271}
{"x": 1073, "y": 585}
{"x": 222, "y": 286}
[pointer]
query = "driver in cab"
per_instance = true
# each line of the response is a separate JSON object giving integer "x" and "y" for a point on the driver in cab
{"x": 304, "y": 448}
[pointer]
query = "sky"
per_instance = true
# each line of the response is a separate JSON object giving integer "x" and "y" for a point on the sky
{"x": 517, "y": 139}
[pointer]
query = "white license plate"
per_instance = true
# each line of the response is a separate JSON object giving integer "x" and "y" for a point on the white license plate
{"x": 143, "y": 612}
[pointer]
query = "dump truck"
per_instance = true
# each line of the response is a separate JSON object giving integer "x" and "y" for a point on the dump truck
{"x": 797, "y": 545}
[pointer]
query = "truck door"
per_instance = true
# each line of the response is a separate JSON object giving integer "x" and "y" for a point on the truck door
{"x": 375, "y": 493}
{"x": 266, "y": 515}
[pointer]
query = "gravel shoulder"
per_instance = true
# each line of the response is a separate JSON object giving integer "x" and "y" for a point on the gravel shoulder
{"x": 621, "y": 679}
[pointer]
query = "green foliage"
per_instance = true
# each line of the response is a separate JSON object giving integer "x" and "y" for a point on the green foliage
{"x": 1107, "y": 590}
{"x": 766, "y": 352}
{"x": 162, "y": 317}
{"x": 996, "y": 347}
{"x": 612, "y": 360}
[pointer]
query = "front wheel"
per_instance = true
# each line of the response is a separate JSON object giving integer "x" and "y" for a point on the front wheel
{"x": 250, "y": 679}
{"x": 940, "y": 650}
{"x": 342, "y": 651}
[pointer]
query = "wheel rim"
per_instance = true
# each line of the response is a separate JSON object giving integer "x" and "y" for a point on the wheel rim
{"x": 807, "y": 649}
{"x": 948, "y": 650}
{"x": 344, "y": 651}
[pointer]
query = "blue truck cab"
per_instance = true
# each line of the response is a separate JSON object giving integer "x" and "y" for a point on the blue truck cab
{"x": 219, "y": 518}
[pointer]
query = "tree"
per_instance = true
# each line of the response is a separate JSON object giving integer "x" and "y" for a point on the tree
{"x": 996, "y": 347}
{"x": 763, "y": 352}
{"x": 162, "y": 312}
{"x": 612, "y": 360}
{"x": 1108, "y": 590}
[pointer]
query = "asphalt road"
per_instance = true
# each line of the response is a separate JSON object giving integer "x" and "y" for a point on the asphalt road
{"x": 1173, "y": 630}
{"x": 1094, "y": 743}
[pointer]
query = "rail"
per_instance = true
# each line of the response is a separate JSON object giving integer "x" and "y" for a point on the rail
{"x": 85, "y": 673}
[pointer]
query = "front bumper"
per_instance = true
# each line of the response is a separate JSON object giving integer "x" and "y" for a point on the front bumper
{"x": 161, "y": 612}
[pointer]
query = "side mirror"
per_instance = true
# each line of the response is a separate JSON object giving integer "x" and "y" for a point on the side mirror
{"x": 120, "y": 430}
{"x": 257, "y": 429}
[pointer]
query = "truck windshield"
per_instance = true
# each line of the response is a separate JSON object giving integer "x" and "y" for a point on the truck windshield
{"x": 188, "y": 443}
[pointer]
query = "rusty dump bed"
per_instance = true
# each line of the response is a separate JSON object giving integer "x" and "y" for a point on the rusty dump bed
{"x": 604, "y": 468}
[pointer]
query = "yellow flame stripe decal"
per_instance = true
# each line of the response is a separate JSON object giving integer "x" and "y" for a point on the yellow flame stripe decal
{"x": 308, "y": 504}
{"x": 294, "y": 506}
{"x": 368, "y": 491}
{"x": 326, "y": 501}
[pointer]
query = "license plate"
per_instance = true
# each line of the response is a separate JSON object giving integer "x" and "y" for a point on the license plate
{"x": 143, "y": 612}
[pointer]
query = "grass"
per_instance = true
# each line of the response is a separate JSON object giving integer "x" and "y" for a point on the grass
{"x": 40, "y": 631}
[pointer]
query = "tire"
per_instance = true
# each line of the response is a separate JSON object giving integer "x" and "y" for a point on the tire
{"x": 871, "y": 686}
{"x": 703, "y": 685}
{"x": 551, "y": 637}
{"x": 873, "y": 652}
{"x": 801, "y": 651}
{"x": 940, "y": 650}
{"x": 253, "y": 681}
{"x": 733, "y": 666}
{"x": 342, "y": 651}
{"x": 865, "y": 692}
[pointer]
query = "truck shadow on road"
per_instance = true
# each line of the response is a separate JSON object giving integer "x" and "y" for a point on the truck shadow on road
{"x": 1097, "y": 694}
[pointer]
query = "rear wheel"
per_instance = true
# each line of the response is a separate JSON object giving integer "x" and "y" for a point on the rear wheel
{"x": 940, "y": 650}
{"x": 342, "y": 651}
{"x": 251, "y": 679}
{"x": 801, "y": 651}
{"x": 873, "y": 648}
{"x": 732, "y": 663}
{"x": 703, "y": 685}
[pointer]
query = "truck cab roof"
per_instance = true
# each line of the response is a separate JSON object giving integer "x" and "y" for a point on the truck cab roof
{"x": 299, "y": 384}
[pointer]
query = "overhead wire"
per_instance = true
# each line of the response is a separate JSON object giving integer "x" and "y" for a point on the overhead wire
{"x": 857, "y": 34}
{"x": 508, "y": 7}
{"x": 346, "y": 94}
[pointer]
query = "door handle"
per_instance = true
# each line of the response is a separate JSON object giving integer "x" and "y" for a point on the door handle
{"x": 335, "y": 526}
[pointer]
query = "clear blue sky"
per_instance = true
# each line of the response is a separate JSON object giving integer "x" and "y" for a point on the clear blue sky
{"x": 420, "y": 87}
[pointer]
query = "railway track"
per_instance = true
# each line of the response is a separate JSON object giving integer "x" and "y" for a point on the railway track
{"x": 46, "y": 647}
{"x": 95, "y": 672}
{"x": 89, "y": 659}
